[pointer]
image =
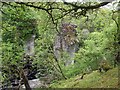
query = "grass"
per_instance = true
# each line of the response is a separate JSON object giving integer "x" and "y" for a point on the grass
{"x": 95, "y": 79}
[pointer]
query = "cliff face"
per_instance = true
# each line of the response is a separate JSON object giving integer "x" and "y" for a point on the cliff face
{"x": 66, "y": 41}
{"x": 29, "y": 45}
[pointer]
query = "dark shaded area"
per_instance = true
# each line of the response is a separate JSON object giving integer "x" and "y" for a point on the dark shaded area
{"x": 29, "y": 70}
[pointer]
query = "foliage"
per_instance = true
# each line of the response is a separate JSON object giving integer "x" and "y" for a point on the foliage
{"x": 16, "y": 29}
{"x": 21, "y": 20}
{"x": 98, "y": 45}
{"x": 18, "y": 22}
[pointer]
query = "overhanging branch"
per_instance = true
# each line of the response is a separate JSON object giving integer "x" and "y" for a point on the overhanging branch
{"x": 73, "y": 9}
{"x": 87, "y": 7}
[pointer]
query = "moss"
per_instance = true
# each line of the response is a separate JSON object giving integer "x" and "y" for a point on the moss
{"x": 95, "y": 79}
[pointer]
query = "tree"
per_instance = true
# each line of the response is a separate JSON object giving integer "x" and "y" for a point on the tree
{"x": 19, "y": 20}
{"x": 18, "y": 25}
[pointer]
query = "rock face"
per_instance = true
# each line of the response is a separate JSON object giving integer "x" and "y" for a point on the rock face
{"x": 85, "y": 32}
{"x": 66, "y": 41}
{"x": 29, "y": 46}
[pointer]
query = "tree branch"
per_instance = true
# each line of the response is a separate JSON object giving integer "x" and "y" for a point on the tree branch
{"x": 60, "y": 67}
{"x": 50, "y": 6}
{"x": 87, "y": 7}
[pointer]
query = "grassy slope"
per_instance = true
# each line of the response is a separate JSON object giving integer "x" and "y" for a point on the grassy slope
{"x": 95, "y": 79}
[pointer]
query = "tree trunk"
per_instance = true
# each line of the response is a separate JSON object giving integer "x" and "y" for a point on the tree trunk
{"x": 25, "y": 80}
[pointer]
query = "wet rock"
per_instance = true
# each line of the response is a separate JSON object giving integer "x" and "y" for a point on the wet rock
{"x": 35, "y": 83}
